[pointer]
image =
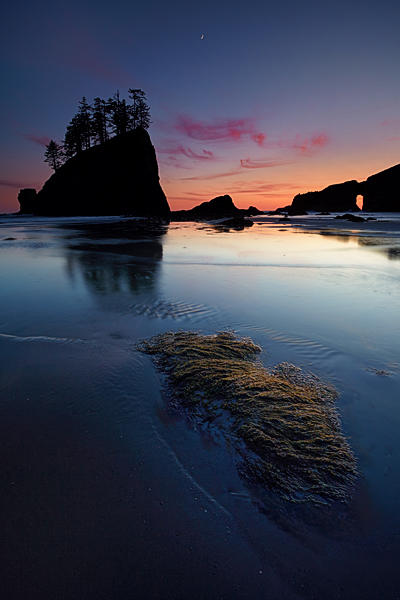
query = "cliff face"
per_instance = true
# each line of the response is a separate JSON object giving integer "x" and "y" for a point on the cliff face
{"x": 117, "y": 177}
{"x": 382, "y": 191}
{"x": 334, "y": 198}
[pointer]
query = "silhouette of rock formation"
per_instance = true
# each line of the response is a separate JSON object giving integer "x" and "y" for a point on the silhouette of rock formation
{"x": 27, "y": 199}
{"x": 382, "y": 191}
{"x": 350, "y": 217}
{"x": 336, "y": 198}
{"x": 221, "y": 207}
{"x": 119, "y": 177}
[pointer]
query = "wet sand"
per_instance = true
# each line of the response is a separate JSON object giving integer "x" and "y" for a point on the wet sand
{"x": 107, "y": 493}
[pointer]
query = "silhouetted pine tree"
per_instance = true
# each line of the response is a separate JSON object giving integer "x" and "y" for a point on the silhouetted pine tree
{"x": 119, "y": 117}
{"x": 95, "y": 124}
{"x": 99, "y": 121}
{"x": 54, "y": 155}
{"x": 84, "y": 110}
{"x": 73, "y": 141}
{"x": 139, "y": 110}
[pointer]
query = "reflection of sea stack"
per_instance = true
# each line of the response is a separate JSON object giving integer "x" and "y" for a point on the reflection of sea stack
{"x": 118, "y": 177}
{"x": 99, "y": 251}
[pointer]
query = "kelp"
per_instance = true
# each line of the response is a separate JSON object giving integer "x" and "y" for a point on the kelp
{"x": 282, "y": 422}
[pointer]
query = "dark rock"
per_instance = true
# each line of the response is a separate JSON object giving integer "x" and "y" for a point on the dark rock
{"x": 382, "y": 191}
{"x": 236, "y": 223}
{"x": 27, "y": 199}
{"x": 325, "y": 212}
{"x": 334, "y": 198}
{"x": 352, "y": 218}
{"x": 221, "y": 207}
{"x": 252, "y": 211}
{"x": 371, "y": 219}
{"x": 293, "y": 212}
{"x": 281, "y": 210}
{"x": 119, "y": 177}
{"x": 217, "y": 208}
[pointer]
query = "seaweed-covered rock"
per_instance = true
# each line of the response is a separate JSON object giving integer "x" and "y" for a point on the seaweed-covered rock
{"x": 282, "y": 422}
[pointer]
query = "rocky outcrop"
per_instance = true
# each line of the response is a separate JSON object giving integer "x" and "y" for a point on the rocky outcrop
{"x": 27, "y": 200}
{"x": 382, "y": 191}
{"x": 221, "y": 207}
{"x": 119, "y": 177}
{"x": 350, "y": 217}
{"x": 336, "y": 198}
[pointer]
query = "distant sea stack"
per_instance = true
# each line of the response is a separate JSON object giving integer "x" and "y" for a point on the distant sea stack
{"x": 118, "y": 177}
{"x": 221, "y": 207}
{"x": 381, "y": 193}
{"x": 340, "y": 197}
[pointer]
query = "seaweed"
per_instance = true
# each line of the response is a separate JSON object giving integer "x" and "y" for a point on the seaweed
{"x": 282, "y": 422}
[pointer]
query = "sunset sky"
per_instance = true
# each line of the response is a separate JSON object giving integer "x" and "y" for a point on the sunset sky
{"x": 276, "y": 99}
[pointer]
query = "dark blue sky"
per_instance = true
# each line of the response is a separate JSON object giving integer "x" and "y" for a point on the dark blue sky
{"x": 283, "y": 97}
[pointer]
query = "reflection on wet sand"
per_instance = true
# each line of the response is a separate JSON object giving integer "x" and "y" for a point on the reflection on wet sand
{"x": 114, "y": 258}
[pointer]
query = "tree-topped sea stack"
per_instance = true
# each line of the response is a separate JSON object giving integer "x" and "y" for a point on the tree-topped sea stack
{"x": 106, "y": 165}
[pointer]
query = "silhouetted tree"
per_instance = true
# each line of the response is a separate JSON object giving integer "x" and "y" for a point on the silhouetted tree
{"x": 99, "y": 121}
{"x": 79, "y": 130}
{"x": 119, "y": 117}
{"x": 139, "y": 110}
{"x": 54, "y": 155}
{"x": 73, "y": 141}
{"x": 84, "y": 110}
{"x": 95, "y": 124}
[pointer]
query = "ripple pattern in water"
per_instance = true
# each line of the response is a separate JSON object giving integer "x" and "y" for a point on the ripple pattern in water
{"x": 164, "y": 309}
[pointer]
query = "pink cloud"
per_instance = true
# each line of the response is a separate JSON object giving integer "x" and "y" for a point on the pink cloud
{"x": 248, "y": 163}
{"x": 42, "y": 140}
{"x": 219, "y": 129}
{"x": 213, "y": 176}
{"x": 391, "y": 123}
{"x": 259, "y": 138}
{"x": 188, "y": 152}
{"x": 236, "y": 130}
{"x": 308, "y": 145}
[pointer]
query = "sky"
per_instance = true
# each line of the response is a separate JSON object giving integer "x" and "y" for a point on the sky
{"x": 276, "y": 99}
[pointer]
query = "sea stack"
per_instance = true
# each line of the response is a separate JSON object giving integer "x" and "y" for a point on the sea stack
{"x": 382, "y": 191}
{"x": 221, "y": 207}
{"x": 118, "y": 177}
{"x": 340, "y": 197}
